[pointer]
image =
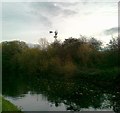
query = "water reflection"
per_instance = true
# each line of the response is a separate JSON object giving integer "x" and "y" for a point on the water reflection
{"x": 60, "y": 95}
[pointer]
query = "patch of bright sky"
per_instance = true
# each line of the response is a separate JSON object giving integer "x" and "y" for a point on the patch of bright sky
{"x": 29, "y": 21}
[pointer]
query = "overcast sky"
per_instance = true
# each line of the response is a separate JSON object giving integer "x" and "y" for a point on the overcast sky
{"x": 29, "y": 21}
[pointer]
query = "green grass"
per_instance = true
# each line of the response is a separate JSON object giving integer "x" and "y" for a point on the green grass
{"x": 0, "y": 104}
{"x": 8, "y": 106}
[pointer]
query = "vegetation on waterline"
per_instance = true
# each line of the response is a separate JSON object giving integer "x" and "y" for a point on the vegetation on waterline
{"x": 81, "y": 58}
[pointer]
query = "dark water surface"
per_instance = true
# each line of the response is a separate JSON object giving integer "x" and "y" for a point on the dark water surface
{"x": 60, "y": 95}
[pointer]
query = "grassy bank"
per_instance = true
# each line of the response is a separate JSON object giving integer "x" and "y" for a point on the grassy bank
{"x": 0, "y": 104}
{"x": 8, "y": 106}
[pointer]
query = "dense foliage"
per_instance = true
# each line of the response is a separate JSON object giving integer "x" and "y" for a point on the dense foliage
{"x": 73, "y": 58}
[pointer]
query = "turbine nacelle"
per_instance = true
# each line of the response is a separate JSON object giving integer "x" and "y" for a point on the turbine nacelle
{"x": 50, "y": 31}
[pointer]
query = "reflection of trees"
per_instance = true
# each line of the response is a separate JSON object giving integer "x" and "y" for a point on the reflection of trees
{"x": 74, "y": 94}
{"x": 116, "y": 97}
{"x": 116, "y": 103}
{"x": 14, "y": 86}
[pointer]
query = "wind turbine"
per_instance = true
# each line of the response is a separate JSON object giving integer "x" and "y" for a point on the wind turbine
{"x": 55, "y": 32}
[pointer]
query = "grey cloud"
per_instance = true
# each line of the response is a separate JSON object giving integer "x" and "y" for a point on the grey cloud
{"x": 67, "y": 4}
{"x": 39, "y": 12}
{"x": 45, "y": 11}
{"x": 46, "y": 8}
{"x": 52, "y": 9}
{"x": 111, "y": 31}
{"x": 45, "y": 21}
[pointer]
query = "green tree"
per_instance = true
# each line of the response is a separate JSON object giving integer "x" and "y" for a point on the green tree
{"x": 96, "y": 44}
{"x": 9, "y": 51}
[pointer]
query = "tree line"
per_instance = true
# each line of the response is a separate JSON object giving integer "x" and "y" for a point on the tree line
{"x": 74, "y": 57}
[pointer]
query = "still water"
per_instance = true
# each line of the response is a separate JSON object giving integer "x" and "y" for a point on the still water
{"x": 60, "y": 95}
{"x": 37, "y": 102}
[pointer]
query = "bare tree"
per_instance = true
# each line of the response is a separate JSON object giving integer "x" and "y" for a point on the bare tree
{"x": 43, "y": 43}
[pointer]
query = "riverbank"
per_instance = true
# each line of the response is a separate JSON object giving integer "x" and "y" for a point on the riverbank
{"x": 8, "y": 106}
